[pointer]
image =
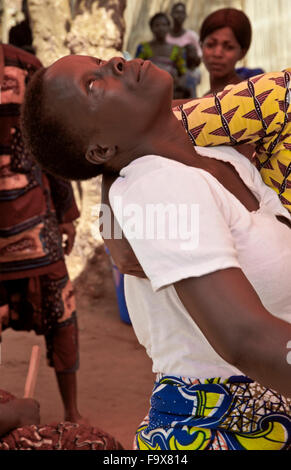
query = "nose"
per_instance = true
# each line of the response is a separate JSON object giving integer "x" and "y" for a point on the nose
{"x": 217, "y": 51}
{"x": 117, "y": 65}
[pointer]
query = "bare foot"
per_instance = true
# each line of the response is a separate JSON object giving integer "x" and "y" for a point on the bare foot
{"x": 77, "y": 418}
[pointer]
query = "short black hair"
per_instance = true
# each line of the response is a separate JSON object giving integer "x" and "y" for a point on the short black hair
{"x": 178, "y": 4}
{"x": 158, "y": 15}
{"x": 235, "y": 19}
{"x": 47, "y": 139}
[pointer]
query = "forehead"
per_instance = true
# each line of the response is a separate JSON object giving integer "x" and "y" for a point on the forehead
{"x": 179, "y": 9}
{"x": 65, "y": 99}
{"x": 160, "y": 20}
{"x": 64, "y": 92}
{"x": 223, "y": 34}
{"x": 70, "y": 66}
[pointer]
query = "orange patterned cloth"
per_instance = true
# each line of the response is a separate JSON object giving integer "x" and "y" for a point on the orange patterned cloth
{"x": 60, "y": 436}
{"x": 35, "y": 292}
{"x": 32, "y": 203}
{"x": 46, "y": 305}
{"x": 255, "y": 111}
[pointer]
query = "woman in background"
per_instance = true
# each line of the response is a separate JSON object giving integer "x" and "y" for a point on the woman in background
{"x": 225, "y": 36}
{"x": 166, "y": 56}
{"x": 178, "y": 34}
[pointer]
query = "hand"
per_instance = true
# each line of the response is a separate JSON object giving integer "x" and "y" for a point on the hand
{"x": 17, "y": 413}
{"x": 69, "y": 231}
{"x": 27, "y": 410}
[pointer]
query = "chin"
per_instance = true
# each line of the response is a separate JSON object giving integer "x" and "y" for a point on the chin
{"x": 167, "y": 93}
{"x": 164, "y": 84}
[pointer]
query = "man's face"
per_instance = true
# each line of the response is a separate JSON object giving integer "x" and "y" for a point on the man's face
{"x": 115, "y": 101}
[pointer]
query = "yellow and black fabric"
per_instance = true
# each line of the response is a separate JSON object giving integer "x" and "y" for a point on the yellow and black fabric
{"x": 255, "y": 111}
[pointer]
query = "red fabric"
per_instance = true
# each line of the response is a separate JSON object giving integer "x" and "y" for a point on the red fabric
{"x": 32, "y": 204}
{"x": 56, "y": 436}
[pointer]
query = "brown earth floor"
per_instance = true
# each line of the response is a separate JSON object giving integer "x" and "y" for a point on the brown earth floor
{"x": 115, "y": 378}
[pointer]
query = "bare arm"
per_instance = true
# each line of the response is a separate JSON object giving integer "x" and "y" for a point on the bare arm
{"x": 182, "y": 101}
{"x": 120, "y": 249}
{"x": 17, "y": 413}
{"x": 231, "y": 316}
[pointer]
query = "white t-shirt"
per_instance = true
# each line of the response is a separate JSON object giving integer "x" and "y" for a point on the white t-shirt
{"x": 224, "y": 234}
{"x": 189, "y": 37}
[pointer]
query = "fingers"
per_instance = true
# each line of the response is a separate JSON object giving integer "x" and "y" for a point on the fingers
{"x": 69, "y": 232}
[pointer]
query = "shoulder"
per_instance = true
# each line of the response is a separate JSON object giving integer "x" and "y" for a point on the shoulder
{"x": 192, "y": 34}
{"x": 144, "y": 49}
{"x": 155, "y": 179}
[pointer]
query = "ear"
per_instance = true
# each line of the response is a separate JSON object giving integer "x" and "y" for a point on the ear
{"x": 100, "y": 154}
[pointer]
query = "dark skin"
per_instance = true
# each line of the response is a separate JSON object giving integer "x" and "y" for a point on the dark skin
{"x": 68, "y": 232}
{"x": 178, "y": 15}
{"x": 221, "y": 51}
{"x": 67, "y": 382}
{"x": 160, "y": 28}
{"x": 17, "y": 413}
{"x": 230, "y": 318}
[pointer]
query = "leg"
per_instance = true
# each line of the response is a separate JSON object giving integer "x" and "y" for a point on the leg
{"x": 61, "y": 334}
{"x": 62, "y": 346}
{"x": 67, "y": 383}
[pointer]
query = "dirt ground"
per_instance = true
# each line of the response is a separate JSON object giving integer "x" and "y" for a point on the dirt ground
{"x": 115, "y": 378}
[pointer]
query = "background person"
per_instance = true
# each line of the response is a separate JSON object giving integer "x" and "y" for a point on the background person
{"x": 225, "y": 36}
{"x": 37, "y": 214}
{"x": 193, "y": 75}
{"x": 178, "y": 34}
{"x": 189, "y": 41}
{"x": 166, "y": 56}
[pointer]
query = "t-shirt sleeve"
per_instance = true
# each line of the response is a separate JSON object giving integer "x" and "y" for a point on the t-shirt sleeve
{"x": 175, "y": 222}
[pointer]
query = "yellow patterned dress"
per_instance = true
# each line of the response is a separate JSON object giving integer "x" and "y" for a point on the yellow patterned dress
{"x": 255, "y": 111}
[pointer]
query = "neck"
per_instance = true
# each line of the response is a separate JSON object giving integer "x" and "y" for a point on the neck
{"x": 158, "y": 41}
{"x": 177, "y": 29}
{"x": 219, "y": 83}
{"x": 168, "y": 139}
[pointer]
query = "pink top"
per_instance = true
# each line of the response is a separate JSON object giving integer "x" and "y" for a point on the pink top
{"x": 189, "y": 37}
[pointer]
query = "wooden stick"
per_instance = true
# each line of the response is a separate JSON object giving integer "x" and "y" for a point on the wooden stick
{"x": 32, "y": 372}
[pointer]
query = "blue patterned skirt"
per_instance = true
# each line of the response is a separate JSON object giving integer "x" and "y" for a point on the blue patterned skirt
{"x": 215, "y": 414}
